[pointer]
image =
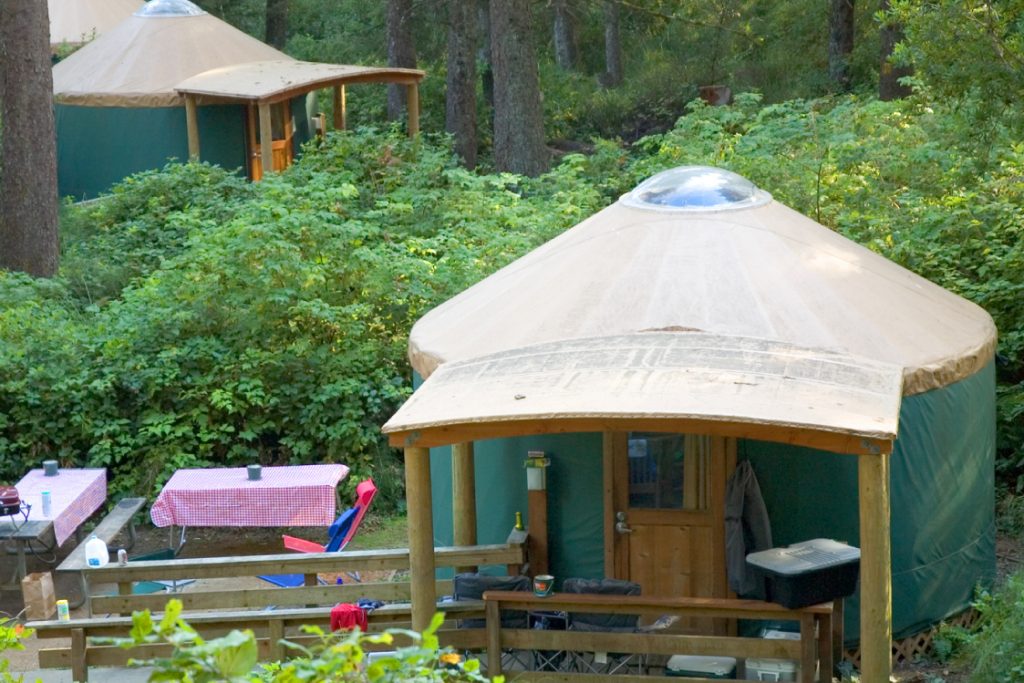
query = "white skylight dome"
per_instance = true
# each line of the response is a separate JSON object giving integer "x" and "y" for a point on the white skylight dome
{"x": 696, "y": 188}
{"x": 169, "y": 8}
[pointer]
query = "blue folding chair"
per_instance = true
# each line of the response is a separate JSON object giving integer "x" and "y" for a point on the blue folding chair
{"x": 338, "y": 535}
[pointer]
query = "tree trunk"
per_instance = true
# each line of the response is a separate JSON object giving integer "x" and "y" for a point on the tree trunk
{"x": 277, "y": 23}
{"x": 401, "y": 51}
{"x": 612, "y": 45}
{"x": 840, "y": 43}
{"x": 889, "y": 86}
{"x": 483, "y": 17}
{"x": 28, "y": 153}
{"x": 460, "y": 98}
{"x": 565, "y": 39}
{"x": 518, "y": 118}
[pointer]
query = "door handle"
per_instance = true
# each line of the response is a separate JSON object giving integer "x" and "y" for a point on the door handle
{"x": 620, "y": 524}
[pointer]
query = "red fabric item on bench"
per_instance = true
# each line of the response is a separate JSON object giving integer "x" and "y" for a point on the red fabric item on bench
{"x": 346, "y": 616}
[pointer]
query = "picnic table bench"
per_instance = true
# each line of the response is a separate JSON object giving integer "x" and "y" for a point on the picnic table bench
{"x": 121, "y": 516}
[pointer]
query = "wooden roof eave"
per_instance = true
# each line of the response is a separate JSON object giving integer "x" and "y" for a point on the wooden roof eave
{"x": 396, "y": 76}
{"x": 836, "y": 442}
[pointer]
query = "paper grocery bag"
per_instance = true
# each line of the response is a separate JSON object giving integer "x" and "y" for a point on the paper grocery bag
{"x": 37, "y": 590}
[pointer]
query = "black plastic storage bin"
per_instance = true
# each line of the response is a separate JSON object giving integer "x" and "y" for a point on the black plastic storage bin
{"x": 808, "y": 573}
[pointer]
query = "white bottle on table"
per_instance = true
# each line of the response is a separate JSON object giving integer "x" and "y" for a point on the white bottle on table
{"x": 96, "y": 553}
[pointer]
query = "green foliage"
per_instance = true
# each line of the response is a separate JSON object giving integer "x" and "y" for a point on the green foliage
{"x": 996, "y": 648}
{"x": 12, "y": 633}
{"x": 199, "y": 320}
{"x": 338, "y": 657}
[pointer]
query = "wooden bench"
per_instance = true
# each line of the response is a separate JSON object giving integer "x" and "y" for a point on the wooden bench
{"x": 818, "y": 648}
{"x": 110, "y": 526}
{"x": 272, "y": 613}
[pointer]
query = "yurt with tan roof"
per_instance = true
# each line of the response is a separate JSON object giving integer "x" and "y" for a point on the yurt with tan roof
{"x": 707, "y": 266}
{"x": 117, "y": 110}
{"x": 75, "y": 22}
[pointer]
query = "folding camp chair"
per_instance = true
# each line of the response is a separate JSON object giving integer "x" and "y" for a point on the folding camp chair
{"x": 338, "y": 534}
{"x": 606, "y": 663}
{"x": 472, "y": 586}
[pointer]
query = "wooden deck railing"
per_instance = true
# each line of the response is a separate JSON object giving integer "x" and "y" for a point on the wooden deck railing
{"x": 815, "y": 651}
{"x": 218, "y": 611}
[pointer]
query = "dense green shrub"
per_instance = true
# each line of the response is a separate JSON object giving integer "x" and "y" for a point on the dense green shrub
{"x": 994, "y": 648}
{"x": 264, "y": 322}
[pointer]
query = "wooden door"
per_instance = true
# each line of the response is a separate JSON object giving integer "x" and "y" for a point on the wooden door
{"x": 283, "y": 130}
{"x": 668, "y": 518}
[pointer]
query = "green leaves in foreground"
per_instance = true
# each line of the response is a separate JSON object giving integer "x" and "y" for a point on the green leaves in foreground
{"x": 319, "y": 657}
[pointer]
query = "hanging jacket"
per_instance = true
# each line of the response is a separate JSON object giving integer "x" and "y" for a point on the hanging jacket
{"x": 747, "y": 530}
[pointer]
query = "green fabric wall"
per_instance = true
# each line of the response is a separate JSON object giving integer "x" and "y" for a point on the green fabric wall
{"x": 943, "y": 528}
{"x": 99, "y": 146}
{"x": 942, "y": 501}
{"x": 575, "y": 516}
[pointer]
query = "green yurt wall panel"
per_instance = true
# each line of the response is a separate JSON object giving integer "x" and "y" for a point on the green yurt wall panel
{"x": 575, "y": 515}
{"x": 97, "y": 147}
{"x": 942, "y": 500}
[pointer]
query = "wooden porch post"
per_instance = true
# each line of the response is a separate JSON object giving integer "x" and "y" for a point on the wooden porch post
{"x": 192, "y": 126}
{"x": 463, "y": 497}
{"x": 266, "y": 140}
{"x": 340, "y": 115}
{"x": 412, "y": 102}
{"x": 876, "y": 568}
{"x": 421, "y": 536}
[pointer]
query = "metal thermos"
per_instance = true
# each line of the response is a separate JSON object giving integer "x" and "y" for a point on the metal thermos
{"x": 122, "y": 556}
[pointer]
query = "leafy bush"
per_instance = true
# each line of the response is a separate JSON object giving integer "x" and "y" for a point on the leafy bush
{"x": 996, "y": 648}
{"x": 206, "y": 321}
{"x": 12, "y": 633}
{"x": 338, "y": 657}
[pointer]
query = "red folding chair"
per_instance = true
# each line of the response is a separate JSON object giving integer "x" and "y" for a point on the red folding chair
{"x": 338, "y": 535}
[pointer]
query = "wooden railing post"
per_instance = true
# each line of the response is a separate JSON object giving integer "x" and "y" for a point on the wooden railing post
{"x": 192, "y": 127}
{"x": 493, "y": 616}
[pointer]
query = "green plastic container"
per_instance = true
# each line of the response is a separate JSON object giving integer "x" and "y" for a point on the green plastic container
{"x": 694, "y": 666}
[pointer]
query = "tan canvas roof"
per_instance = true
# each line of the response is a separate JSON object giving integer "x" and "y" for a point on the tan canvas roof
{"x": 665, "y": 381}
{"x": 763, "y": 272}
{"x": 277, "y": 80}
{"x": 139, "y": 62}
{"x": 79, "y": 21}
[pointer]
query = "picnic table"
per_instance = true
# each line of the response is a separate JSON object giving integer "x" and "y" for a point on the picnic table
{"x": 74, "y": 494}
{"x": 299, "y": 495}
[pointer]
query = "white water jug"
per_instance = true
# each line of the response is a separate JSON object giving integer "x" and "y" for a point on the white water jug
{"x": 96, "y": 553}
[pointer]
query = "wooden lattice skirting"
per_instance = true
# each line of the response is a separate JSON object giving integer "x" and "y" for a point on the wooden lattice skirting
{"x": 919, "y": 645}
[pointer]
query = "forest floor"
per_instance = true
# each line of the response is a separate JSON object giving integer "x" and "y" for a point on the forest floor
{"x": 390, "y": 532}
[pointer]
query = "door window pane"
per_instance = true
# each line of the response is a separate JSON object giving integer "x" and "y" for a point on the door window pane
{"x": 668, "y": 471}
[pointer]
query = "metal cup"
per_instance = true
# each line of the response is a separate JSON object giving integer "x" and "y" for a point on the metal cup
{"x": 50, "y": 468}
{"x": 543, "y": 584}
{"x": 255, "y": 472}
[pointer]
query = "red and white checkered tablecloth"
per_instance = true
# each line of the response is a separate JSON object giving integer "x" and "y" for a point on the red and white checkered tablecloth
{"x": 301, "y": 495}
{"x": 74, "y": 495}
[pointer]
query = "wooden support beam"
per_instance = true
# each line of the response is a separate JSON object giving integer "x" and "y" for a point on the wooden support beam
{"x": 876, "y": 568}
{"x": 266, "y": 140}
{"x": 192, "y": 126}
{"x": 464, "y": 524}
{"x": 412, "y": 103}
{"x": 421, "y": 536}
{"x": 340, "y": 113}
{"x": 493, "y": 612}
{"x": 537, "y": 541}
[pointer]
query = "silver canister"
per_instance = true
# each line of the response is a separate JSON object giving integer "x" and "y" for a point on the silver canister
{"x": 122, "y": 557}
